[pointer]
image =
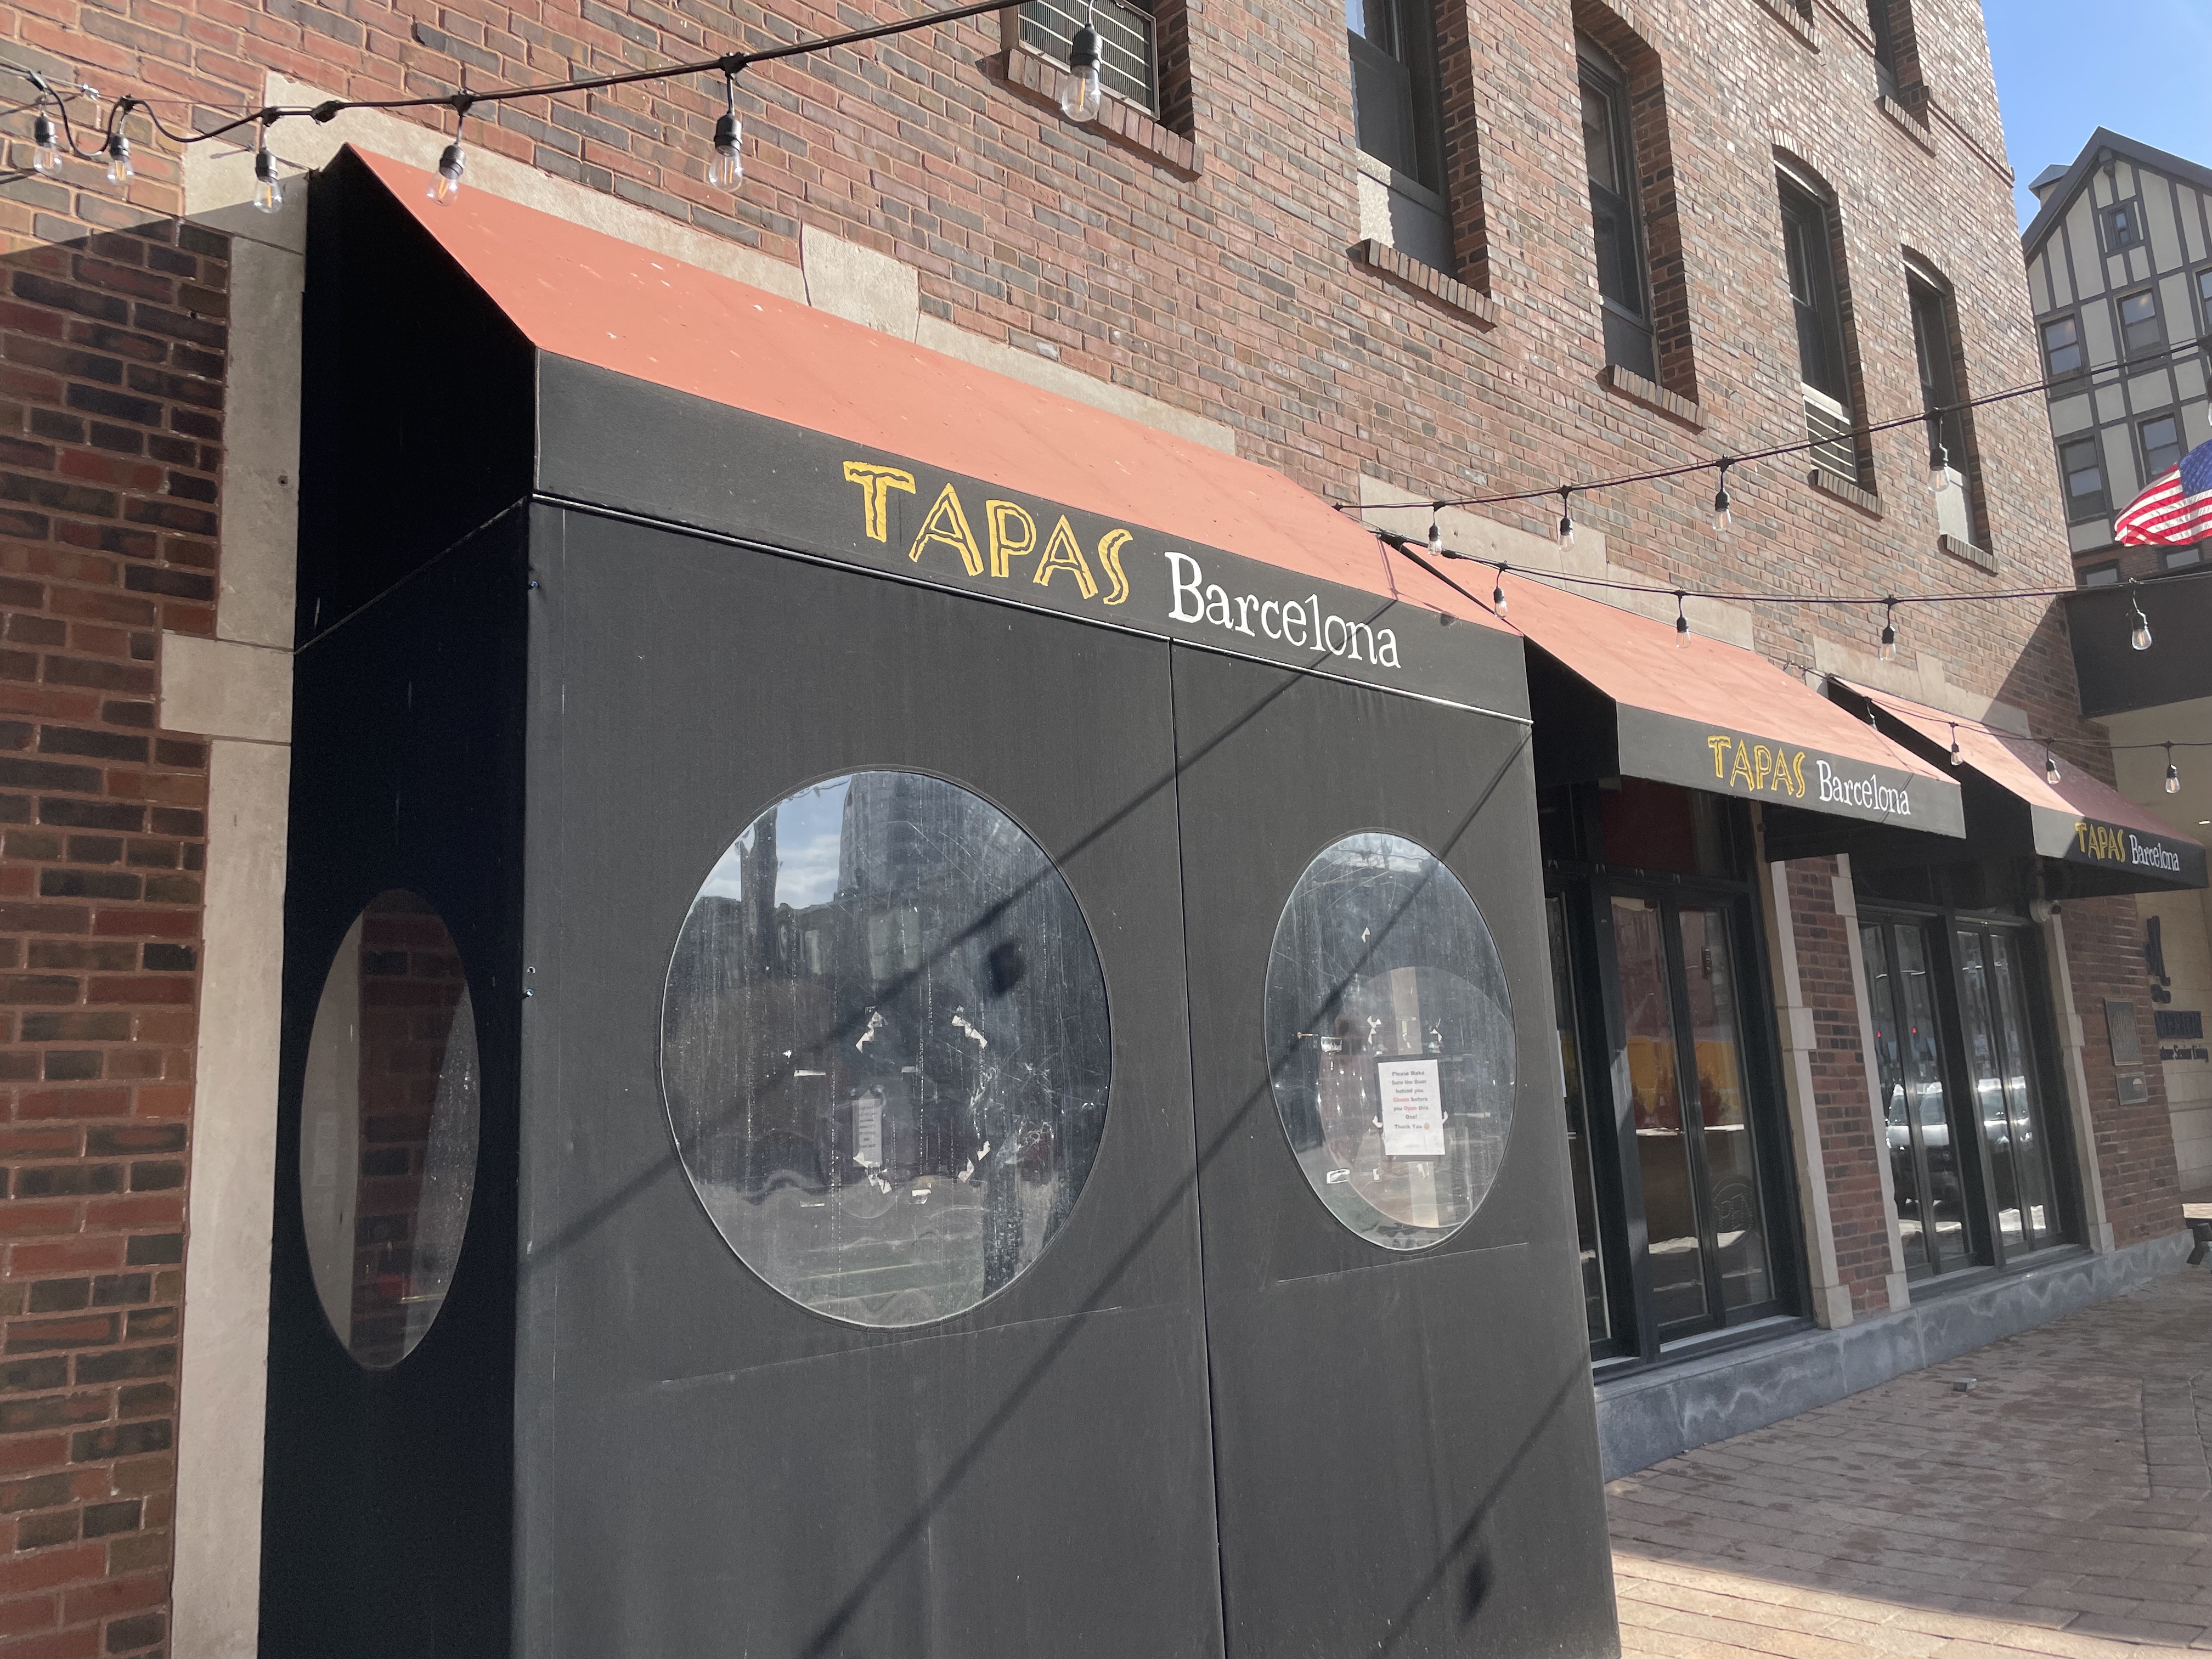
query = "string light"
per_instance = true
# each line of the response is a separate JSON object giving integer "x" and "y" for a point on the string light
{"x": 1957, "y": 755}
{"x": 119, "y": 170}
{"x": 725, "y": 169}
{"x": 1436, "y": 532}
{"x": 2050, "y": 765}
{"x": 1889, "y": 629}
{"x": 1566, "y": 518}
{"x": 45, "y": 148}
{"x": 268, "y": 194}
{"x": 1682, "y": 622}
{"x": 2172, "y": 773}
{"x": 1079, "y": 101}
{"x": 453, "y": 164}
{"x": 1723, "y": 519}
{"x": 1497, "y": 594}
{"x": 2139, "y": 637}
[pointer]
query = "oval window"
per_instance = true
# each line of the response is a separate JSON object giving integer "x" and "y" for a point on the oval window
{"x": 884, "y": 1048}
{"x": 1390, "y": 1041}
{"x": 388, "y": 1119}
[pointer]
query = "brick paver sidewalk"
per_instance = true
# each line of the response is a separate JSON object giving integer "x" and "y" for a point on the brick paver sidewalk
{"x": 2062, "y": 1507}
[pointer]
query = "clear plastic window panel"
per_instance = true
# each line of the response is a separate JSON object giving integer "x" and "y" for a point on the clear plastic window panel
{"x": 1390, "y": 1041}
{"x": 885, "y": 1048}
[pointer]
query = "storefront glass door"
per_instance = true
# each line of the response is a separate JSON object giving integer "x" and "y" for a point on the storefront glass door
{"x": 1572, "y": 1084}
{"x": 1924, "y": 1157}
{"x": 1995, "y": 1031}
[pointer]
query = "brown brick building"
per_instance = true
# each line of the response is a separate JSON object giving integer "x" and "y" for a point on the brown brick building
{"x": 1549, "y": 246}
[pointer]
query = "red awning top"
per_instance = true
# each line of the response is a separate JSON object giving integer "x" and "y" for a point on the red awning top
{"x": 1646, "y": 665}
{"x": 583, "y": 295}
{"x": 2015, "y": 765}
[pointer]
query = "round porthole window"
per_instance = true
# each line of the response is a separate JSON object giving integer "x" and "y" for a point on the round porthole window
{"x": 884, "y": 1048}
{"x": 1390, "y": 1041}
{"x": 388, "y": 1120}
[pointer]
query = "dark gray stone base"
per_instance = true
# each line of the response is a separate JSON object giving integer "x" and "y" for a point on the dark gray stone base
{"x": 1654, "y": 1414}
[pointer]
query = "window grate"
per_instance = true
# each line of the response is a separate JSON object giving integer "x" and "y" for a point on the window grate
{"x": 1828, "y": 424}
{"x": 1128, "y": 58}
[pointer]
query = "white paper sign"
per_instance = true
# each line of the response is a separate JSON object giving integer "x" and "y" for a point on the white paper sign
{"x": 868, "y": 1130}
{"x": 1413, "y": 1109}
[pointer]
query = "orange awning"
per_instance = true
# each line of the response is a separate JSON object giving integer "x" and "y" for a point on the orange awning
{"x": 1617, "y": 695}
{"x": 2107, "y": 843}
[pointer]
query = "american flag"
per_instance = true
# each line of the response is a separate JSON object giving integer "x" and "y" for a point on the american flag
{"x": 2176, "y": 510}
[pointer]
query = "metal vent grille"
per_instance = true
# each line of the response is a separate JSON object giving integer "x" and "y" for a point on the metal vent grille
{"x": 1128, "y": 63}
{"x": 1828, "y": 425}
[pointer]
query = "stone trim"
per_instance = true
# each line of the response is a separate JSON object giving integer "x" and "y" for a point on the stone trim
{"x": 1426, "y": 280}
{"x": 1647, "y": 1416}
{"x": 1834, "y": 484}
{"x": 1913, "y": 123}
{"x": 1980, "y": 557}
{"x": 1028, "y": 72}
{"x": 1626, "y": 383}
{"x": 1799, "y": 23}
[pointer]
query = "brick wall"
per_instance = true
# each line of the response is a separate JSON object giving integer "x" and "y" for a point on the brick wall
{"x": 2133, "y": 1143}
{"x": 1852, "y": 1142}
{"x": 1230, "y": 293}
{"x": 110, "y": 393}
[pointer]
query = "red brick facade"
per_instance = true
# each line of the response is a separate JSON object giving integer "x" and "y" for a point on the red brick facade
{"x": 111, "y": 430}
{"x": 1209, "y": 268}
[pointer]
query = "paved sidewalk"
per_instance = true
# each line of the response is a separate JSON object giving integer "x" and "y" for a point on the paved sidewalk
{"x": 2063, "y": 1506}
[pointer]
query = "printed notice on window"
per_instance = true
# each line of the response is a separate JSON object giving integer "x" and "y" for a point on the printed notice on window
{"x": 1413, "y": 1107}
{"x": 868, "y": 1130}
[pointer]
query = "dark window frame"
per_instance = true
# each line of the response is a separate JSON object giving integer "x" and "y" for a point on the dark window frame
{"x": 2201, "y": 282}
{"x": 1630, "y": 326}
{"x": 2079, "y": 346}
{"x": 1403, "y": 72}
{"x": 2146, "y": 469}
{"x": 1943, "y": 368}
{"x": 2107, "y": 225}
{"x": 1820, "y": 300}
{"x": 2106, "y": 575}
{"x": 1168, "y": 100}
{"x": 2129, "y": 350}
{"x": 2084, "y": 514}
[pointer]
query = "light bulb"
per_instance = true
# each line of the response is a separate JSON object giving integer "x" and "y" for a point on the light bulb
{"x": 268, "y": 194}
{"x": 45, "y": 148}
{"x": 2172, "y": 773}
{"x": 1435, "y": 533}
{"x": 451, "y": 165}
{"x": 1567, "y": 520}
{"x": 1681, "y": 625}
{"x": 1723, "y": 520}
{"x": 1958, "y": 756}
{"x": 726, "y": 170}
{"x": 119, "y": 170}
{"x": 1497, "y": 596}
{"x": 2139, "y": 637}
{"x": 2050, "y": 766}
{"x": 1080, "y": 97}
{"x": 1938, "y": 471}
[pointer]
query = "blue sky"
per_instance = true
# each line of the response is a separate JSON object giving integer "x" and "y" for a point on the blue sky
{"x": 2142, "y": 68}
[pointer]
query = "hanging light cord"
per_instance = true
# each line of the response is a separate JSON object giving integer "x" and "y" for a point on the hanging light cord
{"x": 727, "y": 63}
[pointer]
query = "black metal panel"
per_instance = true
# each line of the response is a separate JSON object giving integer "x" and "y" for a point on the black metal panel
{"x": 707, "y": 1466}
{"x": 387, "y": 1496}
{"x": 418, "y": 426}
{"x": 1406, "y": 1450}
{"x": 2115, "y": 677}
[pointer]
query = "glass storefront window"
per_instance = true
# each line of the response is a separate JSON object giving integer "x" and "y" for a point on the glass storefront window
{"x": 1390, "y": 1041}
{"x": 1662, "y": 1145}
{"x": 1731, "y": 1165}
{"x": 1924, "y": 1155}
{"x": 388, "y": 1125}
{"x": 885, "y": 1048}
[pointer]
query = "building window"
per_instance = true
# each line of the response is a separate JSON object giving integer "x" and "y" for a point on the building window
{"x": 2141, "y": 331}
{"x": 1816, "y": 299}
{"x": 1128, "y": 46}
{"x": 2123, "y": 223}
{"x": 2181, "y": 558}
{"x": 2160, "y": 438}
{"x": 1882, "y": 26}
{"x": 2082, "y": 465}
{"x": 2101, "y": 575}
{"x": 1398, "y": 122}
{"x": 2204, "y": 302}
{"x": 1623, "y": 276}
{"x": 1942, "y": 403}
{"x": 2062, "y": 347}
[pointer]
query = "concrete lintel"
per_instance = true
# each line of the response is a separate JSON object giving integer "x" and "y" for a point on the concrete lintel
{"x": 859, "y": 284}
{"x": 1003, "y": 357}
{"x": 226, "y": 689}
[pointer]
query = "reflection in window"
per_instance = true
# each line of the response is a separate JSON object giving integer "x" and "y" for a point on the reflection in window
{"x": 2083, "y": 468}
{"x": 884, "y": 1048}
{"x": 2062, "y": 347}
{"x": 1662, "y": 1149}
{"x": 2141, "y": 331}
{"x": 1578, "y": 1140}
{"x": 388, "y": 1125}
{"x": 1390, "y": 1041}
{"x": 1609, "y": 159}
